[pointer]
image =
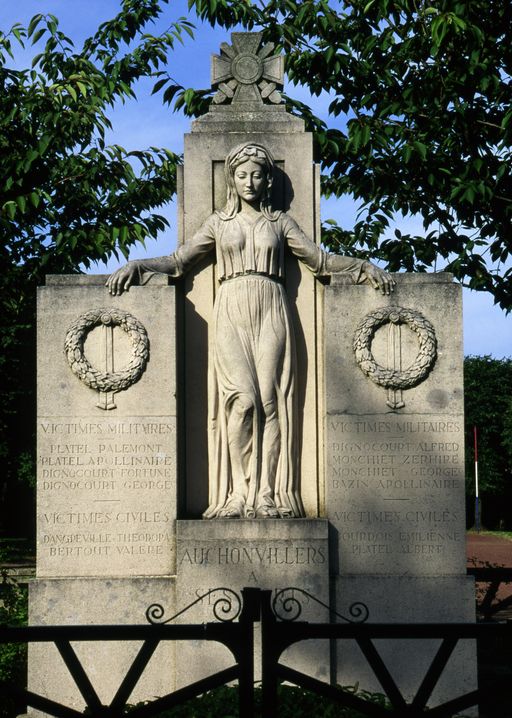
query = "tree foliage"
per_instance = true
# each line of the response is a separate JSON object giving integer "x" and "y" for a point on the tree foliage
{"x": 420, "y": 122}
{"x": 66, "y": 197}
{"x": 294, "y": 702}
{"x": 488, "y": 407}
{"x": 13, "y": 656}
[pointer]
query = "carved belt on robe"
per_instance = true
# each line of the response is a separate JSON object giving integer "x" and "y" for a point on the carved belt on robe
{"x": 252, "y": 273}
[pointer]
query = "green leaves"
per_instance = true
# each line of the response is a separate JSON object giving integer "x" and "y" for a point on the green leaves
{"x": 22, "y": 203}
{"x": 10, "y": 209}
{"x": 66, "y": 198}
{"x": 488, "y": 406}
{"x": 419, "y": 122}
{"x": 419, "y": 114}
{"x": 53, "y": 121}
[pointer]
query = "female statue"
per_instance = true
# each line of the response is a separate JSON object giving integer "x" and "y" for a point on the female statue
{"x": 252, "y": 402}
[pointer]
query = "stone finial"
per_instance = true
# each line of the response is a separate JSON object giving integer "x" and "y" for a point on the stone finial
{"x": 245, "y": 72}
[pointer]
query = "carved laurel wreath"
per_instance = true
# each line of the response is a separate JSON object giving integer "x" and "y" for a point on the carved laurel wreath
{"x": 391, "y": 378}
{"x": 107, "y": 381}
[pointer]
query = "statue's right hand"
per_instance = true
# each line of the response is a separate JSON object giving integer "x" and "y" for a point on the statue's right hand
{"x": 121, "y": 280}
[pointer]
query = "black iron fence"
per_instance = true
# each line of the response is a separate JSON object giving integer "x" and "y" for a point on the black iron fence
{"x": 489, "y": 580}
{"x": 279, "y": 621}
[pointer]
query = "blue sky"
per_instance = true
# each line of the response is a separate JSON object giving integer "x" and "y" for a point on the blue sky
{"x": 146, "y": 122}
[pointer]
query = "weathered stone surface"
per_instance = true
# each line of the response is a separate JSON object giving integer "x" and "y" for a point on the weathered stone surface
{"x": 268, "y": 554}
{"x": 395, "y": 472}
{"x": 407, "y": 599}
{"x": 395, "y": 476}
{"x": 106, "y": 478}
{"x": 380, "y": 420}
{"x": 82, "y": 601}
{"x": 248, "y": 120}
{"x": 202, "y": 190}
{"x": 262, "y": 553}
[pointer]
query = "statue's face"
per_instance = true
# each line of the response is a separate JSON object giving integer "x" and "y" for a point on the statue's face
{"x": 250, "y": 181}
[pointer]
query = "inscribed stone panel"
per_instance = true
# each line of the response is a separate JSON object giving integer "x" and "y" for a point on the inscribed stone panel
{"x": 395, "y": 455}
{"x": 268, "y": 554}
{"x": 106, "y": 460}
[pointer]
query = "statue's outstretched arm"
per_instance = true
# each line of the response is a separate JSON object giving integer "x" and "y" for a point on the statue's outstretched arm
{"x": 324, "y": 263}
{"x": 367, "y": 272}
{"x": 121, "y": 280}
{"x": 175, "y": 265}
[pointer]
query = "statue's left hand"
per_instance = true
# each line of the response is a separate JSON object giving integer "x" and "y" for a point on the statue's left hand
{"x": 121, "y": 280}
{"x": 378, "y": 278}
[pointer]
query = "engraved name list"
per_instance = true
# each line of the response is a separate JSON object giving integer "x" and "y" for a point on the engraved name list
{"x": 393, "y": 491}
{"x": 106, "y": 490}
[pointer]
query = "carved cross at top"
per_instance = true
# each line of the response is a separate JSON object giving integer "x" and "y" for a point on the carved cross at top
{"x": 245, "y": 72}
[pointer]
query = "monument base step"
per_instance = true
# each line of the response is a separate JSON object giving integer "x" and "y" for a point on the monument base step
{"x": 270, "y": 554}
{"x": 98, "y": 601}
{"x": 410, "y": 599}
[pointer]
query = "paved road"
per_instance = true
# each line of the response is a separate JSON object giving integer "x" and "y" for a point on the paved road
{"x": 485, "y": 550}
{"x": 482, "y": 549}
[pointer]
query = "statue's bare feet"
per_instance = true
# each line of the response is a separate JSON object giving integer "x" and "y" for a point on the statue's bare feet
{"x": 234, "y": 508}
{"x": 266, "y": 509}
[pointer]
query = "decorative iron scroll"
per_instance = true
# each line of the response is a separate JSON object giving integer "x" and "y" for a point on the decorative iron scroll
{"x": 244, "y": 72}
{"x": 107, "y": 382}
{"x": 394, "y": 378}
{"x": 287, "y": 607}
{"x": 226, "y": 608}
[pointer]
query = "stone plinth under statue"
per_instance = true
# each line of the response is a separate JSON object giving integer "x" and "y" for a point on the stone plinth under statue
{"x": 324, "y": 441}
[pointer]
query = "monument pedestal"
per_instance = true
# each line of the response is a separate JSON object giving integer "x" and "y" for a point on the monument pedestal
{"x": 98, "y": 601}
{"x": 271, "y": 554}
{"x": 409, "y": 599}
{"x": 378, "y": 423}
{"x": 394, "y": 440}
{"x": 107, "y": 488}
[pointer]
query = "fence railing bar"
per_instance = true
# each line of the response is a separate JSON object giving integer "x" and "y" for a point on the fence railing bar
{"x": 489, "y": 597}
{"x": 434, "y": 672}
{"x": 487, "y": 574}
{"x": 105, "y": 632}
{"x": 33, "y": 700}
{"x": 454, "y": 706}
{"x": 212, "y": 632}
{"x": 271, "y": 647}
{"x": 250, "y": 614}
{"x": 494, "y": 577}
{"x": 185, "y": 694}
{"x": 78, "y": 674}
{"x": 491, "y": 610}
{"x": 381, "y": 672}
{"x": 343, "y": 698}
{"x": 134, "y": 673}
{"x": 290, "y": 633}
{"x": 503, "y": 603}
{"x": 276, "y": 636}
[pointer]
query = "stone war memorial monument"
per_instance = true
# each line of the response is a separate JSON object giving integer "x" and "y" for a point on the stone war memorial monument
{"x": 249, "y": 411}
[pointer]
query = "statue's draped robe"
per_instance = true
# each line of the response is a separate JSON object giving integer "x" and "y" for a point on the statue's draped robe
{"x": 251, "y": 313}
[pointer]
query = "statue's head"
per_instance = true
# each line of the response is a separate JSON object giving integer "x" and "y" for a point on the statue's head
{"x": 249, "y": 152}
